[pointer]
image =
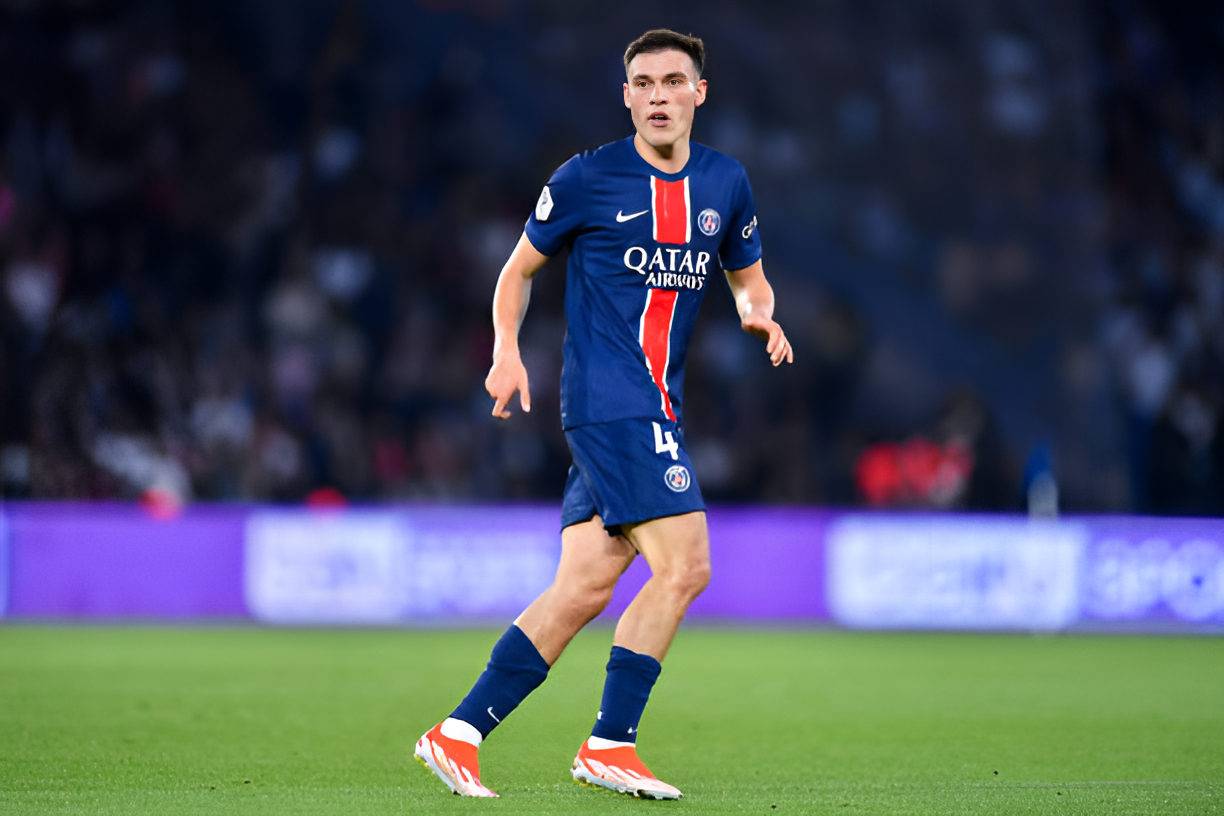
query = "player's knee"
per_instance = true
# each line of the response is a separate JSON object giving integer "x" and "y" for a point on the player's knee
{"x": 596, "y": 599}
{"x": 587, "y": 601}
{"x": 699, "y": 577}
{"x": 688, "y": 577}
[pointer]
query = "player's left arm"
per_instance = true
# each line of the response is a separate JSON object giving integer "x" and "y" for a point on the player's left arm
{"x": 754, "y": 300}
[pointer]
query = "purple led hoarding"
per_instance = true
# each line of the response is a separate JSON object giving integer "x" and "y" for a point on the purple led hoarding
{"x": 381, "y": 566}
{"x": 439, "y": 563}
{"x": 1154, "y": 570}
{"x": 115, "y": 561}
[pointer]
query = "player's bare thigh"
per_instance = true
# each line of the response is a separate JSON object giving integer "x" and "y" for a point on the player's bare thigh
{"x": 591, "y": 563}
{"x": 591, "y": 558}
{"x": 677, "y": 548}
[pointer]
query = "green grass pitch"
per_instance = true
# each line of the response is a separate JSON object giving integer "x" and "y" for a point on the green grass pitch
{"x": 251, "y": 720}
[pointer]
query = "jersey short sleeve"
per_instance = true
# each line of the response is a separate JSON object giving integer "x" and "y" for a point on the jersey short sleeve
{"x": 558, "y": 212}
{"x": 741, "y": 245}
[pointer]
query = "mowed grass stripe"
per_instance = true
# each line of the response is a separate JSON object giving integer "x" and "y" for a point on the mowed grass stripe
{"x": 251, "y": 720}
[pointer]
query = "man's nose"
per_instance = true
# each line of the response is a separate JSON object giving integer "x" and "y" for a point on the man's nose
{"x": 657, "y": 95}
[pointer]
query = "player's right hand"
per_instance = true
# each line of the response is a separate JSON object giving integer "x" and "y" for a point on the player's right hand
{"x": 507, "y": 375}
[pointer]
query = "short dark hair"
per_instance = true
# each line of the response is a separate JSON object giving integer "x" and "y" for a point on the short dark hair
{"x": 664, "y": 39}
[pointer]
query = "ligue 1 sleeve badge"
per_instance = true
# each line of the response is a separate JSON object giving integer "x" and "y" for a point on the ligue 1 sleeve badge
{"x": 544, "y": 205}
{"x": 677, "y": 478}
{"x": 708, "y": 221}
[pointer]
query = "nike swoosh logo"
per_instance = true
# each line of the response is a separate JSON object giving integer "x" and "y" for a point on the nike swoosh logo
{"x": 491, "y": 714}
{"x": 622, "y": 218}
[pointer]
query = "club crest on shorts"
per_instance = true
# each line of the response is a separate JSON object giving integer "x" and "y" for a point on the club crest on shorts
{"x": 677, "y": 478}
{"x": 708, "y": 221}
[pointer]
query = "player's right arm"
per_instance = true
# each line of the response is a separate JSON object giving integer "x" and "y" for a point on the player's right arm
{"x": 510, "y": 300}
{"x": 556, "y": 218}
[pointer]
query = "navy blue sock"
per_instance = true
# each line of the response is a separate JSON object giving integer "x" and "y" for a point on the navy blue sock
{"x": 631, "y": 676}
{"x": 515, "y": 670}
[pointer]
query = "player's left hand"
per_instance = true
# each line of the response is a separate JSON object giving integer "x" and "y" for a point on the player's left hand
{"x": 776, "y": 345}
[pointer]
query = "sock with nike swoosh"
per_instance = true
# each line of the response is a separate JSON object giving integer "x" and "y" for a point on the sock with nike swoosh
{"x": 631, "y": 676}
{"x": 515, "y": 670}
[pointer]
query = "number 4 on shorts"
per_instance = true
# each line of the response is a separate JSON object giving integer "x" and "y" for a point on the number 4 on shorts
{"x": 665, "y": 442}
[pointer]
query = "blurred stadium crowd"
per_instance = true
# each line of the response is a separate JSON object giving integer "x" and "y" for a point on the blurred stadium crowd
{"x": 248, "y": 247}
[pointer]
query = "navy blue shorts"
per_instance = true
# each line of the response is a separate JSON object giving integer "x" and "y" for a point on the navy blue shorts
{"x": 627, "y": 471}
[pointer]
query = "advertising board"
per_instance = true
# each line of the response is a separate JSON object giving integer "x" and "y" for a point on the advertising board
{"x": 941, "y": 572}
{"x": 389, "y": 566}
{"x": 1158, "y": 571}
{"x": 428, "y": 564}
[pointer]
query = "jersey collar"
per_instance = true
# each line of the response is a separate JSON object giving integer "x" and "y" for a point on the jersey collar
{"x": 650, "y": 168}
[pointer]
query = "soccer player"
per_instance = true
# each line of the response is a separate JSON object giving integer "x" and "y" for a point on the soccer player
{"x": 649, "y": 222}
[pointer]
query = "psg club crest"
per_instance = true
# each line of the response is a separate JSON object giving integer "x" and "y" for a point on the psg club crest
{"x": 677, "y": 476}
{"x": 708, "y": 221}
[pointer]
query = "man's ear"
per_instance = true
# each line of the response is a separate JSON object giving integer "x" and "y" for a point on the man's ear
{"x": 701, "y": 92}
{"x": 626, "y": 89}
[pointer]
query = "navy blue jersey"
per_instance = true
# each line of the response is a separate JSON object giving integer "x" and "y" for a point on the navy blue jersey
{"x": 644, "y": 245}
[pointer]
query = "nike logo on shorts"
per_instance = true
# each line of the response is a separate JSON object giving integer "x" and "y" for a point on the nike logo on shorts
{"x": 622, "y": 218}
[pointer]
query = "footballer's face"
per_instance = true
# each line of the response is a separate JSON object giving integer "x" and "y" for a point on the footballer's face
{"x": 662, "y": 92}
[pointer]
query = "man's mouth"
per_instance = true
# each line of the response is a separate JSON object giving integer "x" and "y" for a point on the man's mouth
{"x": 658, "y": 118}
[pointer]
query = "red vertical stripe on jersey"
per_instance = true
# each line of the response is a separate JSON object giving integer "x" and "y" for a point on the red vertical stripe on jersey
{"x": 655, "y": 337}
{"x": 670, "y": 202}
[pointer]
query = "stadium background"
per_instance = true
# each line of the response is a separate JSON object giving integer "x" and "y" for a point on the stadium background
{"x": 247, "y": 252}
{"x": 248, "y": 248}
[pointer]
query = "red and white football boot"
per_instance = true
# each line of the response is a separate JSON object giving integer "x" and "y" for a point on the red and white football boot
{"x": 449, "y": 750}
{"x": 615, "y": 766}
